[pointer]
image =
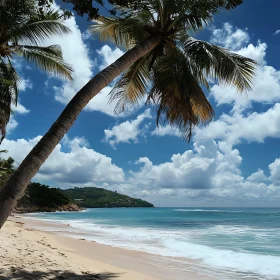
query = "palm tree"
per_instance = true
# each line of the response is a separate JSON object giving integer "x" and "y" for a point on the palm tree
{"x": 163, "y": 59}
{"x": 22, "y": 29}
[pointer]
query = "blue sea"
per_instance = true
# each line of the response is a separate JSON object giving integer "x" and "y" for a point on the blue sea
{"x": 233, "y": 243}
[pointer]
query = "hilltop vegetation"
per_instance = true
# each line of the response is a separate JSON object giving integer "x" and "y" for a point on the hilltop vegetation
{"x": 44, "y": 199}
{"x": 91, "y": 197}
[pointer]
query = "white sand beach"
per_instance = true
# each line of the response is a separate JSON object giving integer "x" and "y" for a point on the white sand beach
{"x": 27, "y": 253}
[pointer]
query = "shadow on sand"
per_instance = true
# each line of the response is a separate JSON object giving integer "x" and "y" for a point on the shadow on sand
{"x": 20, "y": 274}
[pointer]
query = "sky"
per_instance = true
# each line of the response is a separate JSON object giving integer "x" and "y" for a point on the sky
{"x": 232, "y": 162}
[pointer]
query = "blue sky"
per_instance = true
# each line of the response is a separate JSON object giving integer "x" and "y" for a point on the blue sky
{"x": 234, "y": 161}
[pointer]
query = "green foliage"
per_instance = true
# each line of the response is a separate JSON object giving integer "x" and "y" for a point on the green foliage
{"x": 210, "y": 60}
{"x": 91, "y": 197}
{"x": 38, "y": 195}
{"x": 22, "y": 29}
{"x": 178, "y": 94}
{"x": 83, "y": 7}
{"x": 86, "y": 7}
{"x": 176, "y": 70}
{"x": 6, "y": 169}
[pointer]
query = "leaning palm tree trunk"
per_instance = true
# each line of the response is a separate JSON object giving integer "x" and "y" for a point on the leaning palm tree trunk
{"x": 15, "y": 187}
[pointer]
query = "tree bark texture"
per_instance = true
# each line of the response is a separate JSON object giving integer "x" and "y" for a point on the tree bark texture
{"x": 16, "y": 185}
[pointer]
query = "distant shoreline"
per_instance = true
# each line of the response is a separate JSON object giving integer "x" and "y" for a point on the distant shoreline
{"x": 23, "y": 210}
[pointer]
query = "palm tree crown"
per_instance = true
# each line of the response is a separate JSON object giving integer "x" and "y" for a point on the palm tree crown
{"x": 172, "y": 75}
{"x": 164, "y": 64}
{"x": 22, "y": 29}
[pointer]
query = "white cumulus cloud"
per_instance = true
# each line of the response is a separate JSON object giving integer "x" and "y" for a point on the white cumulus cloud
{"x": 78, "y": 56}
{"x": 230, "y": 37}
{"x": 242, "y": 122}
{"x": 76, "y": 53}
{"x": 108, "y": 55}
{"x": 12, "y": 124}
{"x": 19, "y": 108}
{"x": 255, "y": 127}
{"x": 81, "y": 165}
{"x": 127, "y": 131}
{"x": 202, "y": 177}
{"x": 166, "y": 130}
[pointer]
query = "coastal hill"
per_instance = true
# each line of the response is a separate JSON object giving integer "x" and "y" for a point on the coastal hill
{"x": 41, "y": 198}
{"x": 92, "y": 197}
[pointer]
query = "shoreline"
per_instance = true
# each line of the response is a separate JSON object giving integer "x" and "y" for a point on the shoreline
{"x": 83, "y": 257}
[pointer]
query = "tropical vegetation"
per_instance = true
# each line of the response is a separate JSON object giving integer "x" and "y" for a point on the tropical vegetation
{"x": 91, "y": 197}
{"x": 91, "y": 8}
{"x": 39, "y": 197}
{"x": 163, "y": 64}
{"x": 6, "y": 169}
{"x": 23, "y": 30}
{"x": 42, "y": 198}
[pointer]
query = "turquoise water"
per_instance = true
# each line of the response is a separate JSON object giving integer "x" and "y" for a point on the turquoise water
{"x": 244, "y": 240}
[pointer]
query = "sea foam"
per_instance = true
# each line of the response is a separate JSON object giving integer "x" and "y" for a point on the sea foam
{"x": 227, "y": 242}
{"x": 173, "y": 244}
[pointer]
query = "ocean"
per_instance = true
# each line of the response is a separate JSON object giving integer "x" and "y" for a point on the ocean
{"x": 230, "y": 243}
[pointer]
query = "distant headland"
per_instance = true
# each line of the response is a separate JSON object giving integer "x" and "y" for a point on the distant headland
{"x": 42, "y": 198}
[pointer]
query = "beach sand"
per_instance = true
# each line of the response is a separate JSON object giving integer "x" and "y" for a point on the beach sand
{"x": 28, "y": 253}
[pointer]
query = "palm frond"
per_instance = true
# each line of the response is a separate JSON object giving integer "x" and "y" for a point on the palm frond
{"x": 126, "y": 32}
{"x": 195, "y": 22}
{"x": 22, "y": 28}
{"x": 46, "y": 14}
{"x": 48, "y": 59}
{"x": 132, "y": 86}
{"x": 194, "y": 15}
{"x": 176, "y": 92}
{"x": 36, "y": 32}
{"x": 108, "y": 30}
{"x": 151, "y": 5}
{"x": 224, "y": 66}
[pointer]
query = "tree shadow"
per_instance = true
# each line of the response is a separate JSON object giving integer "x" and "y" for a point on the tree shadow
{"x": 14, "y": 273}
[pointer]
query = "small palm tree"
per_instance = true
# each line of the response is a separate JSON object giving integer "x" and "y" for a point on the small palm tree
{"x": 22, "y": 29}
{"x": 163, "y": 59}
